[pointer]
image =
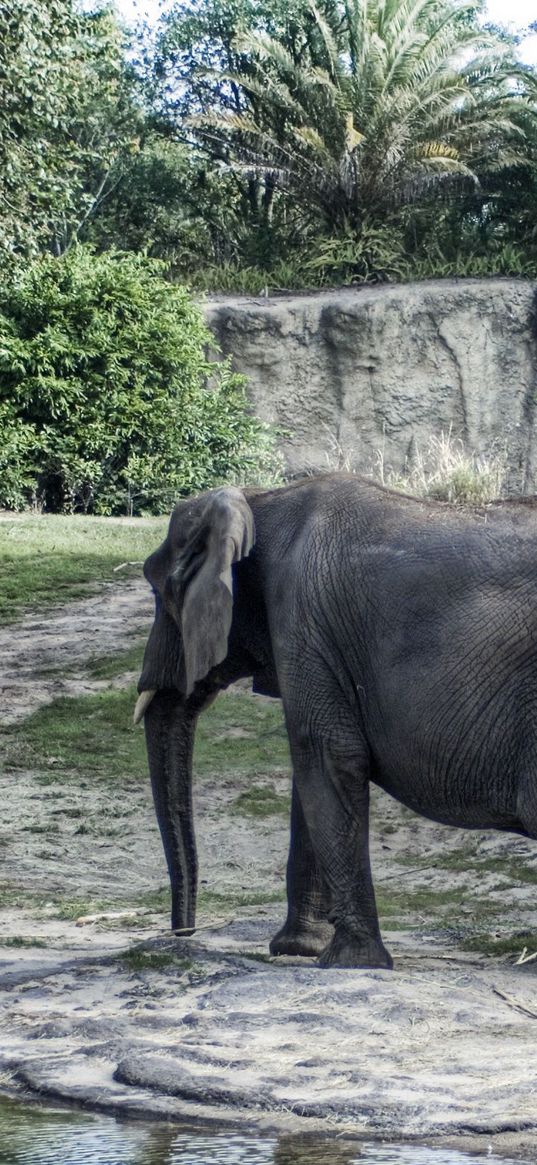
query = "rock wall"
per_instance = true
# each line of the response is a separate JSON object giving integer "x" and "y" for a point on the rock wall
{"x": 352, "y": 372}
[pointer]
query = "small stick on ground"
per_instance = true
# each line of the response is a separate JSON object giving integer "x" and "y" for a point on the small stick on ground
{"x": 514, "y": 1003}
{"x": 111, "y": 915}
{"x": 525, "y": 958}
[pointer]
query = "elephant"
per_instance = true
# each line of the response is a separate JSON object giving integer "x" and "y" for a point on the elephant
{"x": 401, "y": 637}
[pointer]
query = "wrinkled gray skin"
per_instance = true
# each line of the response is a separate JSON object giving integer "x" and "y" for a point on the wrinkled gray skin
{"x": 402, "y": 638}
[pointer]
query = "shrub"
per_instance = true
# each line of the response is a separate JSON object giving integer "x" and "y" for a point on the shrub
{"x": 372, "y": 254}
{"x": 17, "y": 459}
{"x": 108, "y": 401}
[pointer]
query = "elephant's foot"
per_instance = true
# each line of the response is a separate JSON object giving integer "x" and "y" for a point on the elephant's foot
{"x": 349, "y": 951}
{"x": 305, "y": 938}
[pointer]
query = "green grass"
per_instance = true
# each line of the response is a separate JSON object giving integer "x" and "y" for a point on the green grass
{"x": 256, "y": 956}
{"x": 431, "y": 903}
{"x": 434, "y": 908}
{"x": 157, "y": 901}
{"x": 126, "y": 922}
{"x": 12, "y": 895}
{"x": 500, "y": 945}
{"x": 53, "y": 558}
{"x": 439, "y": 909}
{"x": 141, "y": 958}
{"x": 90, "y": 736}
{"x": 211, "y": 900}
{"x": 69, "y": 909}
{"x": 241, "y": 735}
{"x": 93, "y": 738}
{"x": 510, "y": 868}
{"x": 261, "y": 801}
{"x": 466, "y": 860}
{"x": 455, "y": 859}
{"x": 20, "y": 941}
{"x": 108, "y": 667}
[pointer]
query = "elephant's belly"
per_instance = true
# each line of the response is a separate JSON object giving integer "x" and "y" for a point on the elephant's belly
{"x": 463, "y": 786}
{"x": 452, "y": 725}
{"x": 465, "y": 812}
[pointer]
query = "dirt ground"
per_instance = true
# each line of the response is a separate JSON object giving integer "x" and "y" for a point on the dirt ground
{"x": 45, "y": 656}
{"x": 109, "y": 1010}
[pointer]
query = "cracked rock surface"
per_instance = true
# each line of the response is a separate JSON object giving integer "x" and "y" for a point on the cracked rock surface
{"x": 353, "y": 373}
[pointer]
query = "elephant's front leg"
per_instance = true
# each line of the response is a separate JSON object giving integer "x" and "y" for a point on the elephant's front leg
{"x": 334, "y": 792}
{"x": 306, "y": 930}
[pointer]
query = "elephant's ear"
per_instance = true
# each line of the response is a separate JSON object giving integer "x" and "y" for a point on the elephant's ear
{"x": 202, "y": 583}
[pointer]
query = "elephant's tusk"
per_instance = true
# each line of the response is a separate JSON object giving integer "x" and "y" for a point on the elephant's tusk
{"x": 142, "y": 704}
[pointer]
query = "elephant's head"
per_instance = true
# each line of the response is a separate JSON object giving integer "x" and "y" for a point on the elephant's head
{"x": 192, "y": 580}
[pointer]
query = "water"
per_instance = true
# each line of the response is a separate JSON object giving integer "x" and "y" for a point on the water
{"x": 30, "y": 1135}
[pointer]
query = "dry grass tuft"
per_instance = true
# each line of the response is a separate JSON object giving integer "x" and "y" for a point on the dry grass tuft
{"x": 443, "y": 469}
{"x": 446, "y": 471}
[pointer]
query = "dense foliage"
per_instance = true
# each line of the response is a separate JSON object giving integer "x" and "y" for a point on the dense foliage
{"x": 240, "y": 144}
{"x": 108, "y": 402}
{"x": 68, "y": 122}
{"x": 279, "y": 142}
{"x": 357, "y": 139}
{"x": 368, "y": 109}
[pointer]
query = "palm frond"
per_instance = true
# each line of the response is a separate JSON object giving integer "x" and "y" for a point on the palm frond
{"x": 388, "y": 100}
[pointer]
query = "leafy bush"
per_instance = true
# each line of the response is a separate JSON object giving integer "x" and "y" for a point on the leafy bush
{"x": 500, "y": 259}
{"x": 17, "y": 459}
{"x": 369, "y": 255}
{"x": 372, "y": 255}
{"x": 108, "y": 402}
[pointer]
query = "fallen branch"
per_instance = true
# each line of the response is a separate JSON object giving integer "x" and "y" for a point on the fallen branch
{"x": 525, "y": 958}
{"x": 88, "y": 919}
{"x": 122, "y": 565}
{"x": 404, "y": 873}
{"x": 515, "y": 1004}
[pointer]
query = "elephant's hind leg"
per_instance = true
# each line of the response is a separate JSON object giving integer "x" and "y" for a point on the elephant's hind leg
{"x": 306, "y": 930}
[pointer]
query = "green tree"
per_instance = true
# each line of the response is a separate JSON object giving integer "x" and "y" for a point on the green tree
{"x": 388, "y": 102}
{"x": 103, "y": 128}
{"x": 169, "y": 202}
{"x": 108, "y": 402}
{"x": 36, "y": 44}
{"x": 67, "y": 117}
{"x": 196, "y": 70}
{"x": 356, "y": 132}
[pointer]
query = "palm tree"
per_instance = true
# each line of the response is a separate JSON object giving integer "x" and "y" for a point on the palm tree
{"x": 385, "y": 102}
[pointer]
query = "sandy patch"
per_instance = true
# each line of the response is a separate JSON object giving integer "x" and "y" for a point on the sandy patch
{"x": 43, "y": 656}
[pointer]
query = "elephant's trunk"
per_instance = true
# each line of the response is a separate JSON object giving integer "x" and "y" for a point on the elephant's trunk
{"x": 170, "y": 729}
